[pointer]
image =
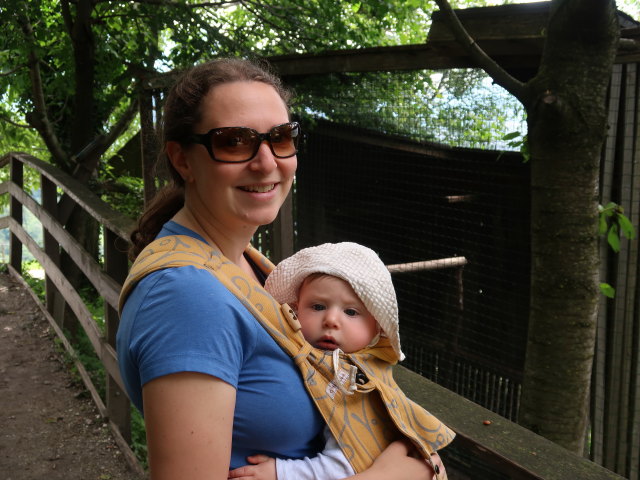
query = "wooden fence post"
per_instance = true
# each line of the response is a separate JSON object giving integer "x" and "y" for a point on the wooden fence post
{"x": 116, "y": 266}
{"x": 54, "y": 300}
{"x": 17, "y": 177}
{"x": 282, "y": 232}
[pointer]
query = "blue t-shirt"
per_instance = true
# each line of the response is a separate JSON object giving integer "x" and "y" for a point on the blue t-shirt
{"x": 184, "y": 320}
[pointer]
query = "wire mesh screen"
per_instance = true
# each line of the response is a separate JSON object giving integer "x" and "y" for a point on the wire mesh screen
{"x": 369, "y": 176}
{"x": 457, "y": 107}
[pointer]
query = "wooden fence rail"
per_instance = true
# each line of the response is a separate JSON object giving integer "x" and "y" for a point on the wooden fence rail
{"x": 60, "y": 294}
{"x": 499, "y": 448}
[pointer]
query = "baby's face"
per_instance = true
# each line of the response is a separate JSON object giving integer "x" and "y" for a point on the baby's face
{"x": 332, "y": 316}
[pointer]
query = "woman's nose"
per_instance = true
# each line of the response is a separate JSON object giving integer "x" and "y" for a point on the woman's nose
{"x": 264, "y": 160}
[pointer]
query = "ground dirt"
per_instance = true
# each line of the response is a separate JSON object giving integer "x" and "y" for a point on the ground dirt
{"x": 49, "y": 427}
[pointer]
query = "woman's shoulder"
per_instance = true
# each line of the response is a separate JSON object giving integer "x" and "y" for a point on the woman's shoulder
{"x": 182, "y": 319}
{"x": 185, "y": 289}
{"x": 187, "y": 301}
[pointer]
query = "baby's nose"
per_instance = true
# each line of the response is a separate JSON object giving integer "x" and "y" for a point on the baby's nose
{"x": 331, "y": 318}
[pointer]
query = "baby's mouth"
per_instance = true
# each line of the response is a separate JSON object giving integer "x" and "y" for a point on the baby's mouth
{"x": 327, "y": 343}
{"x": 258, "y": 188}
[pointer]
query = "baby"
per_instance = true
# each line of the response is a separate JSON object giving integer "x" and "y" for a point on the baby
{"x": 345, "y": 302}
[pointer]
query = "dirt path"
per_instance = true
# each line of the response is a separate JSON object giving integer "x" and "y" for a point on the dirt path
{"x": 49, "y": 427}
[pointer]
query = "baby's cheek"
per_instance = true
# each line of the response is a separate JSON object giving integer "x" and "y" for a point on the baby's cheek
{"x": 307, "y": 330}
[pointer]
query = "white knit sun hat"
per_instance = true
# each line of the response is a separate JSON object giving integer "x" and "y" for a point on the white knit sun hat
{"x": 356, "y": 264}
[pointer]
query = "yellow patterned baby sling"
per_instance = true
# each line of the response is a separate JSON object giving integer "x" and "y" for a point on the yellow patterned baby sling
{"x": 355, "y": 393}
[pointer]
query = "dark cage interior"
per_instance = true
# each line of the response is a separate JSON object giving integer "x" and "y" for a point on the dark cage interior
{"x": 410, "y": 201}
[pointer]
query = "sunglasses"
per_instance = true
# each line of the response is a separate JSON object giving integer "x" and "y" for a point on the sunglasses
{"x": 241, "y": 144}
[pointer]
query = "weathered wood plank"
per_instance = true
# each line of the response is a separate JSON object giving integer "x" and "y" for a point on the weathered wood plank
{"x": 80, "y": 193}
{"x": 515, "y": 450}
{"x": 282, "y": 232}
{"x": 105, "y": 352}
{"x": 54, "y": 299}
{"x": 632, "y": 315}
{"x": 15, "y": 212}
{"x": 599, "y": 376}
{"x": 107, "y": 286}
{"x": 627, "y": 263}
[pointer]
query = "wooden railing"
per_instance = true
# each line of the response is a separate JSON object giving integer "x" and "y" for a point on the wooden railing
{"x": 487, "y": 446}
{"x": 60, "y": 293}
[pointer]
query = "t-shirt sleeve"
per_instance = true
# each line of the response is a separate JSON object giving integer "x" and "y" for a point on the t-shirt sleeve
{"x": 187, "y": 321}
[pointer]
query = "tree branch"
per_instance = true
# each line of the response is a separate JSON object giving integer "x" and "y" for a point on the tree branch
{"x": 122, "y": 124}
{"x": 248, "y": 5}
{"x": 499, "y": 75}
{"x": 13, "y": 70}
{"x": 88, "y": 158}
{"x": 175, "y": 3}
{"x": 4, "y": 118}
{"x": 66, "y": 15}
{"x": 39, "y": 118}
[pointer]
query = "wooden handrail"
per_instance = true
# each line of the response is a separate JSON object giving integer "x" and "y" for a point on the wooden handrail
{"x": 60, "y": 293}
{"x": 494, "y": 441}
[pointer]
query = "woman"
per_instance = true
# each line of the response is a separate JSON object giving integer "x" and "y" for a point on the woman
{"x": 213, "y": 385}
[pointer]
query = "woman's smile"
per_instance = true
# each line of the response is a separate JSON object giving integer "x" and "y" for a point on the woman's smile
{"x": 263, "y": 188}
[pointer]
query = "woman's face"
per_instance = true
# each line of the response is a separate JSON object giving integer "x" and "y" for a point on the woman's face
{"x": 239, "y": 195}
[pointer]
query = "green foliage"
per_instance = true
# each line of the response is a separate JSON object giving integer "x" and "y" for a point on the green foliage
{"x": 612, "y": 222}
{"x": 134, "y": 38}
{"x": 457, "y": 107}
{"x": 130, "y": 38}
{"x": 607, "y": 290}
{"x": 95, "y": 304}
{"x": 123, "y": 193}
{"x": 138, "y": 437}
{"x": 36, "y": 284}
{"x": 519, "y": 141}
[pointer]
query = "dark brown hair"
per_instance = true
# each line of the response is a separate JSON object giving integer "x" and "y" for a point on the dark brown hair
{"x": 181, "y": 111}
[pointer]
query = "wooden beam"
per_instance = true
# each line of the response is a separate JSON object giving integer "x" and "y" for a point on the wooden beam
{"x": 493, "y": 440}
{"x": 513, "y": 35}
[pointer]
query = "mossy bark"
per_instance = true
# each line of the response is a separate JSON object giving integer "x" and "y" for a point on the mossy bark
{"x": 566, "y": 106}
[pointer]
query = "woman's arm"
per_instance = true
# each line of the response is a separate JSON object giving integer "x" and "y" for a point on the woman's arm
{"x": 189, "y": 421}
{"x": 398, "y": 463}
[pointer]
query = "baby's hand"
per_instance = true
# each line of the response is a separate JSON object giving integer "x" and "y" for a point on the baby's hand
{"x": 261, "y": 468}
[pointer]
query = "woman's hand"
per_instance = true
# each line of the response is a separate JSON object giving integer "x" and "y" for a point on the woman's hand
{"x": 398, "y": 463}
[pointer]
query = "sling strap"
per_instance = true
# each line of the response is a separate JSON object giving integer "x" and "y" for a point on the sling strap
{"x": 355, "y": 393}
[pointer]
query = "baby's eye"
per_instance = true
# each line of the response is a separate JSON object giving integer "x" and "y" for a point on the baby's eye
{"x": 317, "y": 307}
{"x": 351, "y": 312}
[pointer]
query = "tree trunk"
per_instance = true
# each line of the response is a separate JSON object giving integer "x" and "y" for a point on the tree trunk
{"x": 566, "y": 110}
{"x": 84, "y": 130}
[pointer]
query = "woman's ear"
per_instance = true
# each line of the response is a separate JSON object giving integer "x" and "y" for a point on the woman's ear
{"x": 178, "y": 159}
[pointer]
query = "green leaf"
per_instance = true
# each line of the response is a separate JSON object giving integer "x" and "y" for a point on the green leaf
{"x": 613, "y": 238}
{"x": 607, "y": 290}
{"x": 626, "y": 226}
{"x": 603, "y": 226}
{"x": 511, "y": 136}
